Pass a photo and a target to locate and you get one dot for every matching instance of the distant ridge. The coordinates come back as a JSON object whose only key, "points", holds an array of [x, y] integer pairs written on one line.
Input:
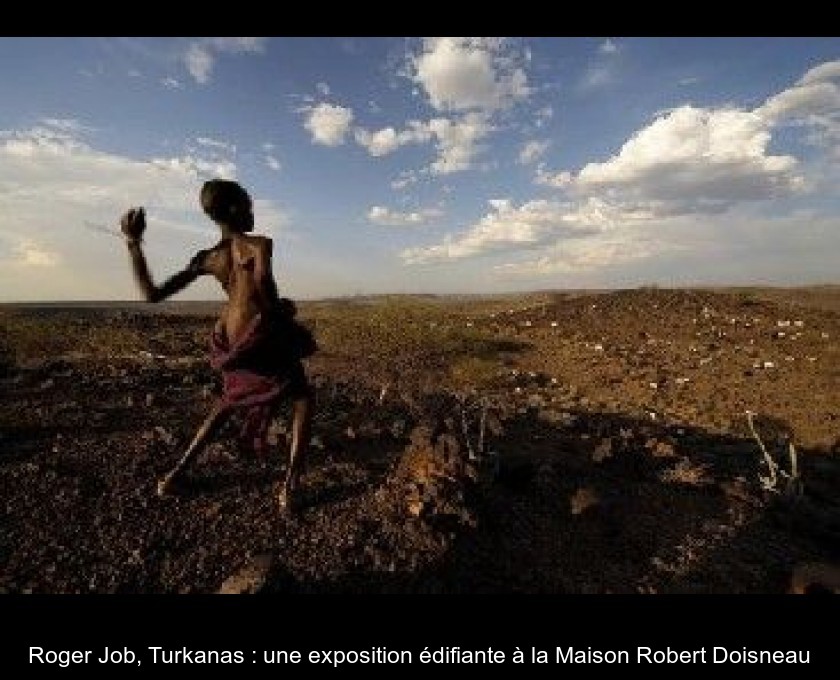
{"points": [[820, 293]]}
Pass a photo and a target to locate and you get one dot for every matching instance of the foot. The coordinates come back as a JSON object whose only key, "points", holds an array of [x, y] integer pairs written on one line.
{"points": [[167, 486], [288, 502]]}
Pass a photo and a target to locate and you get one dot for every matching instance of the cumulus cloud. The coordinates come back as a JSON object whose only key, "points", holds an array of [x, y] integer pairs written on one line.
{"points": [[387, 217], [689, 164], [45, 140], [689, 160], [558, 180], [506, 226], [703, 159], [813, 102], [458, 141], [696, 160], [328, 123], [199, 62], [463, 74], [49, 160], [200, 56], [387, 140], [533, 150], [608, 47], [468, 79]]}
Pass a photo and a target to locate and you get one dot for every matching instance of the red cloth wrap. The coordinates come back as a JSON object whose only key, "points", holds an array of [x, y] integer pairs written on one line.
{"points": [[255, 375]]}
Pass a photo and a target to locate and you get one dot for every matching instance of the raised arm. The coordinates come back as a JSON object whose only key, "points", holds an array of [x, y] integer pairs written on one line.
{"points": [[133, 224]]}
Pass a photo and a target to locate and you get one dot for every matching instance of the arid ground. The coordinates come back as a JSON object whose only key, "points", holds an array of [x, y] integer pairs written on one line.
{"points": [[635, 441]]}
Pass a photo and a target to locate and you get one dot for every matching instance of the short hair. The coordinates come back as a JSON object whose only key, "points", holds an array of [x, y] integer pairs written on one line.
{"points": [[218, 195]]}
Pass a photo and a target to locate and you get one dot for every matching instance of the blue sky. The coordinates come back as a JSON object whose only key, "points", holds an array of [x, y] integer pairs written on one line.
{"points": [[431, 165]]}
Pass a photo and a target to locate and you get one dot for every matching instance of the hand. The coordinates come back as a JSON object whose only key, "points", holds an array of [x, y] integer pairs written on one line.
{"points": [[133, 224]]}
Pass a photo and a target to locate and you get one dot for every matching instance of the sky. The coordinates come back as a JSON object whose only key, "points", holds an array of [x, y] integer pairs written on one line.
{"points": [[424, 165]]}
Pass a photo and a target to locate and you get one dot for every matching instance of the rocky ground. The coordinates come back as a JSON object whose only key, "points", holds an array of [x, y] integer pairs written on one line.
{"points": [[552, 443]]}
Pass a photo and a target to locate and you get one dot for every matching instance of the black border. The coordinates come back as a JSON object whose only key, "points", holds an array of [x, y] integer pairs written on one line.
{"points": [[410, 622]]}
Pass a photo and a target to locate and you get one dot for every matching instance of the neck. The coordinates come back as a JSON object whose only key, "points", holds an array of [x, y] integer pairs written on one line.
{"points": [[227, 230]]}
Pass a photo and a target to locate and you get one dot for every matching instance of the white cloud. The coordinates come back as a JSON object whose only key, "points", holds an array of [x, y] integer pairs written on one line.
{"points": [[171, 83], [544, 115], [608, 47], [731, 249], [802, 102], [60, 203], [323, 89], [29, 253], [594, 254], [199, 61], [601, 70], [197, 167], [559, 180], [238, 45], [531, 225], [41, 140], [691, 171], [68, 125], [533, 150], [378, 143], [813, 102], [200, 56], [405, 179], [458, 141], [328, 123], [272, 163], [387, 140], [695, 160], [211, 143], [472, 77], [387, 217], [596, 76], [829, 70], [463, 74]]}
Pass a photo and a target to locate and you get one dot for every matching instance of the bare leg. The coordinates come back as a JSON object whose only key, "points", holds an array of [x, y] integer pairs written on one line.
{"points": [[208, 428], [301, 432]]}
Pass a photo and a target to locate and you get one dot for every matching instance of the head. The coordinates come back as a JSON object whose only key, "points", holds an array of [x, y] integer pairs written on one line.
{"points": [[228, 204]]}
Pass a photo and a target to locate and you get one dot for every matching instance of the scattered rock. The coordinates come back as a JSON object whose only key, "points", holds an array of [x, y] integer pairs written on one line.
{"points": [[582, 499], [250, 578], [602, 450]]}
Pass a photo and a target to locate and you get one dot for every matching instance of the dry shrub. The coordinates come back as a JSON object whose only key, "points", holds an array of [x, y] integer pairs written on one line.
{"points": [[686, 472]]}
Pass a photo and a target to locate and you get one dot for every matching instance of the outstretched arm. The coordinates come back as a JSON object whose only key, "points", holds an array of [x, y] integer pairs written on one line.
{"points": [[133, 225]]}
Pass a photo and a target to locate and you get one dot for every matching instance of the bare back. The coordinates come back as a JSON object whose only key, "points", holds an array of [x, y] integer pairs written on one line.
{"points": [[242, 264]]}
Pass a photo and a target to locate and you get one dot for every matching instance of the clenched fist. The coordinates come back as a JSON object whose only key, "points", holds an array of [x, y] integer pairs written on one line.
{"points": [[133, 224]]}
